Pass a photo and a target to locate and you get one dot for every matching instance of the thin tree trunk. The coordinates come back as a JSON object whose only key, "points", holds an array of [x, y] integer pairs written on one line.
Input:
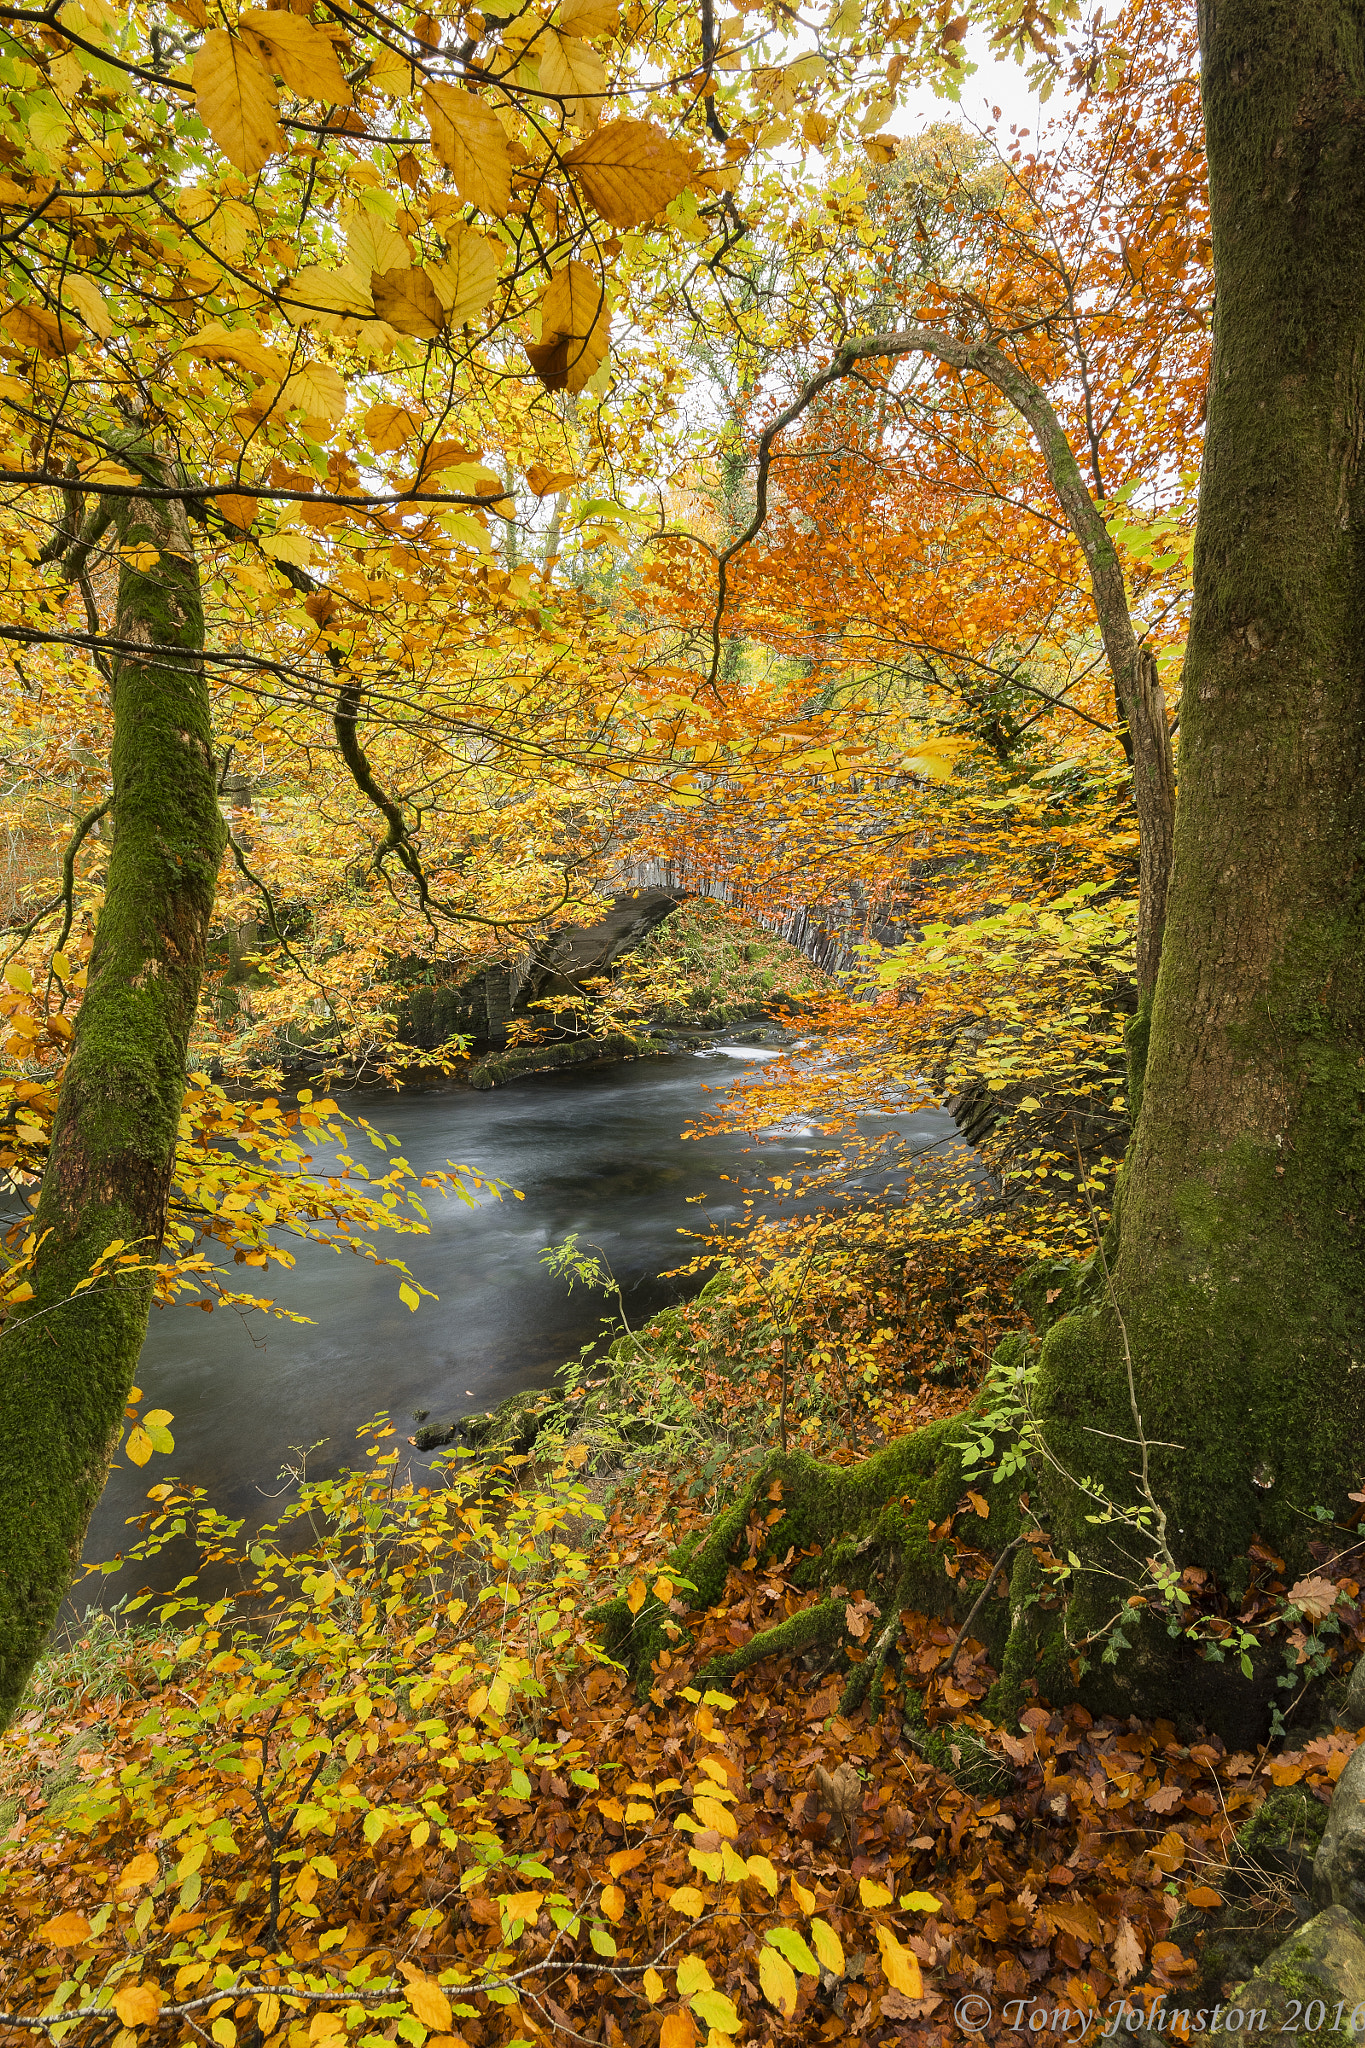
{"points": [[1240, 1269], [67, 1361]]}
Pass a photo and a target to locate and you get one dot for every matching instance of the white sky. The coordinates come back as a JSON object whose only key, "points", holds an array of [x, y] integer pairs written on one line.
{"points": [[993, 84]]}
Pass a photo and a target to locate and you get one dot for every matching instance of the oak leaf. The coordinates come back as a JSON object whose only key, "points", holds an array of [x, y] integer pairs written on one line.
{"points": [[1127, 1952], [235, 98], [1315, 1597], [468, 139], [630, 170], [302, 54]]}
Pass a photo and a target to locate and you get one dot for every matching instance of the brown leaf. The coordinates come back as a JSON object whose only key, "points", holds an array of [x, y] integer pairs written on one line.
{"points": [[630, 170], [1127, 1952], [407, 299], [1316, 1597]]}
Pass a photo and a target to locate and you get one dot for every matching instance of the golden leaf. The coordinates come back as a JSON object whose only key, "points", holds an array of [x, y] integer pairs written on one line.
{"points": [[303, 55], [589, 17], [317, 390], [572, 72], [777, 1981], [429, 2003], [217, 344], [139, 1446], [316, 289], [575, 330], [85, 297], [407, 300], [235, 98], [873, 1894], [712, 1814], [687, 1899], [679, 2030], [35, 327], [900, 1967], [138, 2005], [613, 1902], [468, 139], [880, 149], [630, 170], [468, 278], [68, 1930], [635, 1595], [827, 1946], [141, 1870], [371, 244], [652, 1984]]}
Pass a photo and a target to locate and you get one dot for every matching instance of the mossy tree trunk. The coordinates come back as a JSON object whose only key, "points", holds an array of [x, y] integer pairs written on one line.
{"points": [[67, 1360], [1237, 1261], [1238, 1269]]}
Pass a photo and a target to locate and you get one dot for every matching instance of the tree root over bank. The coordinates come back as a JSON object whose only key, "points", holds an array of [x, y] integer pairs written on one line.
{"points": [[904, 1528]]}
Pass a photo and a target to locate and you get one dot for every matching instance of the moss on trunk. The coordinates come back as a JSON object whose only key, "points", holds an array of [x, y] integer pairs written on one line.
{"points": [[66, 1364]]}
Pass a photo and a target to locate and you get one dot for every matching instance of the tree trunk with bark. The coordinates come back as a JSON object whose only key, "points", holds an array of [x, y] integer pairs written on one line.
{"points": [[68, 1358], [1225, 1356]]}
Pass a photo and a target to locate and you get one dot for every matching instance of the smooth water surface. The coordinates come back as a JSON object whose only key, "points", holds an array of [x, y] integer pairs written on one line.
{"points": [[595, 1151]]}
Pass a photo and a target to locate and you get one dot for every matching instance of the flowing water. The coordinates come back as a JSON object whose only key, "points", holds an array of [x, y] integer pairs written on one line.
{"points": [[595, 1151]]}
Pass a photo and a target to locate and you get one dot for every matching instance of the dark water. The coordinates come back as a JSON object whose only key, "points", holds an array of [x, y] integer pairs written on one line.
{"points": [[598, 1152]]}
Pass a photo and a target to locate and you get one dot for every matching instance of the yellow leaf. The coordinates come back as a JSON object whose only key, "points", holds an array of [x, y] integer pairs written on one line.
{"points": [[306, 1884], [777, 1981], [138, 2005], [315, 389], [430, 2003], [316, 291], [624, 1860], [921, 1902], [217, 343], [636, 1594], [371, 244], [901, 1968], [873, 1895], [571, 72], [235, 98], [468, 139], [141, 1870], [663, 1589], [68, 1930], [679, 2030], [804, 1899], [653, 1986], [268, 2013], [589, 17], [693, 1976], [761, 1869], [712, 1814], [630, 170], [407, 299], [224, 2032], [290, 546], [19, 977], [139, 1446], [86, 299], [35, 327], [409, 1296], [687, 1899], [613, 1902], [303, 56], [468, 278], [827, 1946], [880, 149]]}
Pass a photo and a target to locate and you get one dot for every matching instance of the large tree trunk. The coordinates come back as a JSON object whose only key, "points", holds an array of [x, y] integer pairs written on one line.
{"points": [[1239, 1271], [1239, 1268], [67, 1361]]}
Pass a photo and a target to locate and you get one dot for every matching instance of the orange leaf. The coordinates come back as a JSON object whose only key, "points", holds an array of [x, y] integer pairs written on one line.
{"points": [[613, 1902], [138, 2005], [678, 2031], [1204, 1897], [429, 2003], [635, 1595], [68, 1930]]}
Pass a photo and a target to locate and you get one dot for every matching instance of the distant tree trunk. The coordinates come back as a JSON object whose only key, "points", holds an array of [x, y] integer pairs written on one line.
{"points": [[1240, 1270], [67, 1360]]}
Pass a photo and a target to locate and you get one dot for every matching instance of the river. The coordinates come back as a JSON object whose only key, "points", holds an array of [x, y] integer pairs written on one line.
{"points": [[596, 1151]]}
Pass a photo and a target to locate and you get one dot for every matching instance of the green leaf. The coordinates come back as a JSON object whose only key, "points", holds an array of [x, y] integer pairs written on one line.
{"points": [[788, 1943]]}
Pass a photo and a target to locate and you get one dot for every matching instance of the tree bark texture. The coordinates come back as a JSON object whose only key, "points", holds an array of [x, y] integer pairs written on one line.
{"points": [[1239, 1268], [68, 1360]]}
